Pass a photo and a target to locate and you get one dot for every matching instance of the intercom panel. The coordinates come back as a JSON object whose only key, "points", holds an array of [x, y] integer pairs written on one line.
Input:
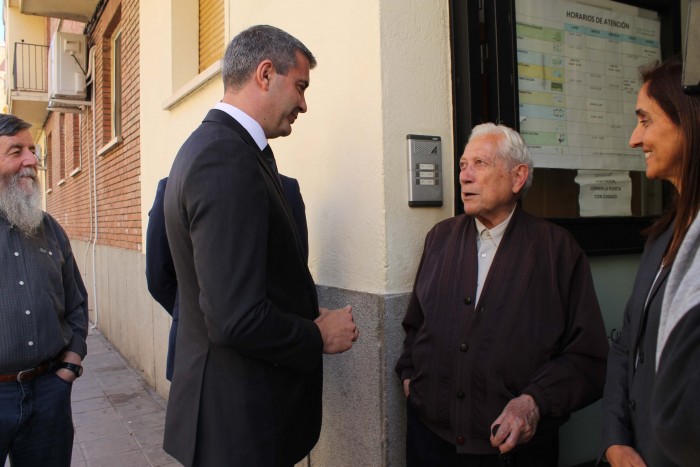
{"points": [[424, 170]]}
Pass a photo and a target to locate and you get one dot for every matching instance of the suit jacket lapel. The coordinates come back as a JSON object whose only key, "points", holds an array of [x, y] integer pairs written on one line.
{"points": [[649, 285], [219, 116]]}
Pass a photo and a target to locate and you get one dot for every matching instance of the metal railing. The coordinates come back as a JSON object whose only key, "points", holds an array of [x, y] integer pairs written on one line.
{"points": [[30, 68]]}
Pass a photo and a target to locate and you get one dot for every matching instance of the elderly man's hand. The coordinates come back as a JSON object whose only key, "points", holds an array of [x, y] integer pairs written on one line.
{"points": [[517, 423]]}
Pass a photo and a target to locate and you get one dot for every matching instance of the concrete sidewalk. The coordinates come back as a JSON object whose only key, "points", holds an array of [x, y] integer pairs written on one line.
{"points": [[118, 418]]}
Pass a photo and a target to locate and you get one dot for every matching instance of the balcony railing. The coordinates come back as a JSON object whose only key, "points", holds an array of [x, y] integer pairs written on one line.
{"points": [[30, 67]]}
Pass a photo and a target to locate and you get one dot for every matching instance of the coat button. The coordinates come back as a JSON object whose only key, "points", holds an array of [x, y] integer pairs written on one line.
{"points": [[641, 357], [468, 301], [463, 347], [460, 395], [632, 404], [460, 440]]}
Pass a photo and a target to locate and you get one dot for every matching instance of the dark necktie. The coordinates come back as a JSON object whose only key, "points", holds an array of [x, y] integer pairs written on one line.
{"points": [[270, 158]]}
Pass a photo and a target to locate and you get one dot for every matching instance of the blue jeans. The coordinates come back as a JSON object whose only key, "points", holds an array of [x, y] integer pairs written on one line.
{"points": [[36, 423]]}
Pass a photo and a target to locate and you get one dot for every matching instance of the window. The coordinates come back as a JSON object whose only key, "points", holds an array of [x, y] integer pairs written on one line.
{"points": [[211, 32], [198, 40], [48, 159], [75, 146], [116, 84], [61, 148], [109, 88]]}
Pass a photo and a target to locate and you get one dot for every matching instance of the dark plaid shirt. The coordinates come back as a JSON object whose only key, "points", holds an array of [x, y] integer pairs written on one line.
{"points": [[43, 302]]}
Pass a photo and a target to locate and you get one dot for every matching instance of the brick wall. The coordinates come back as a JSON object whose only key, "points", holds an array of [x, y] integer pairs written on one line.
{"points": [[118, 168]]}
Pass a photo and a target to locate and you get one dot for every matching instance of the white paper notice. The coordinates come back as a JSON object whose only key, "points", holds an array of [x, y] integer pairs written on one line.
{"points": [[604, 193], [578, 78]]}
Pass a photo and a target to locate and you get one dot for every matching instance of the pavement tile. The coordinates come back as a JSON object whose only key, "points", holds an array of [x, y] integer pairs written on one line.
{"points": [[90, 404], [138, 407], [97, 347], [103, 360], [126, 397], [95, 417], [115, 373], [151, 420], [106, 429], [108, 446], [122, 377], [123, 387], [86, 381], [157, 456], [83, 393], [149, 436], [97, 350], [125, 459], [112, 370]]}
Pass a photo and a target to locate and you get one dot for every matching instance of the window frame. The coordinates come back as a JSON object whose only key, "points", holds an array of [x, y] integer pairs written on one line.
{"points": [[116, 94]]}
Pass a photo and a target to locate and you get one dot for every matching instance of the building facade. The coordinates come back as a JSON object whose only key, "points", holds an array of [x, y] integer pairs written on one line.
{"points": [[385, 70]]}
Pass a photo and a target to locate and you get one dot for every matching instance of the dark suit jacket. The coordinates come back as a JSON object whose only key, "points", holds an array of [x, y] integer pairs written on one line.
{"points": [[246, 388], [632, 361], [160, 270]]}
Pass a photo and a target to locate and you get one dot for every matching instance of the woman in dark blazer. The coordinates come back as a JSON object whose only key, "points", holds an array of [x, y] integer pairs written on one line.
{"points": [[668, 131]]}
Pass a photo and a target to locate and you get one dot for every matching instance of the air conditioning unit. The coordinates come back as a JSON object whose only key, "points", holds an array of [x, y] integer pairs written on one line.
{"points": [[68, 66]]}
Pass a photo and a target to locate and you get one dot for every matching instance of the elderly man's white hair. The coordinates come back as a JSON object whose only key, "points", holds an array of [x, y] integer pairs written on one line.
{"points": [[511, 147]]}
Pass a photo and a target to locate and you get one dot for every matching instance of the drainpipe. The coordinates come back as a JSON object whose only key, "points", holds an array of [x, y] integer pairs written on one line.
{"points": [[93, 188]]}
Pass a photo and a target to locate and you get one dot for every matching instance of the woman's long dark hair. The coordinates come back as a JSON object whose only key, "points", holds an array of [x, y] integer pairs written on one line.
{"points": [[665, 87]]}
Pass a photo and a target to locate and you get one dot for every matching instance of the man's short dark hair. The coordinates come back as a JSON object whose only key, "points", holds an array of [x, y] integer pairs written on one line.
{"points": [[11, 125], [256, 44]]}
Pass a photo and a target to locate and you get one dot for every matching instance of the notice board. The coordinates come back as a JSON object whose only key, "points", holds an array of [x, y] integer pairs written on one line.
{"points": [[565, 74]]}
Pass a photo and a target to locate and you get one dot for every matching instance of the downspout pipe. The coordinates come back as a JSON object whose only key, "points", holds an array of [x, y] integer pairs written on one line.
{"points": [[93, 190]]}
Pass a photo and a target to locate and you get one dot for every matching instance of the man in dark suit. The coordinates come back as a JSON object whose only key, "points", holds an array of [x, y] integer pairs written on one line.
{"points": [[504, 337], [160, 270], [246, 387]]}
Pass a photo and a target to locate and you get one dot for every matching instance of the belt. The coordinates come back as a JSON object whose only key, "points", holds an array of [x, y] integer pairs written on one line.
{"points": [[25, 375]]}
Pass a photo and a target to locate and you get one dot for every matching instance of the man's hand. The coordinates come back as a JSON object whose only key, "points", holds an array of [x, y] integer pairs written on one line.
{"points": [[337, 328], [623, 456], [518, 423], [67, 375], [406, 389]]}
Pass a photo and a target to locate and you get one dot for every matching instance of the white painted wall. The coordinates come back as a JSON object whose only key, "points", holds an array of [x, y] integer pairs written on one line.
{"points": [[22, 28], [417, 99]]}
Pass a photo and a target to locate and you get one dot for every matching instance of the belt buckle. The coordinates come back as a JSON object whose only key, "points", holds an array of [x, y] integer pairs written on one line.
{"points": [[21, 375]]}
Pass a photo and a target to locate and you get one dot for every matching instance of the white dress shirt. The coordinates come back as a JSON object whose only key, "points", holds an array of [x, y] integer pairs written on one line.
{"points": [[246, 121], [487, 244]]}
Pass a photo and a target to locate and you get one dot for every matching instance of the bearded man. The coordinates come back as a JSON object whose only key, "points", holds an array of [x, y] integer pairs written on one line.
{"points": [[43, 313]]}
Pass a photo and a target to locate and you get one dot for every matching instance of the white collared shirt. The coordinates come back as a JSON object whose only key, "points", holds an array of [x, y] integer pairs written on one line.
{"points": [[487, 241], [246, 121]]}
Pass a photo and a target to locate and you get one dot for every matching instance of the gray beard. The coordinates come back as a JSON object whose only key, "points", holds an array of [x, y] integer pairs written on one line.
{"points": [[22, 209]]}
